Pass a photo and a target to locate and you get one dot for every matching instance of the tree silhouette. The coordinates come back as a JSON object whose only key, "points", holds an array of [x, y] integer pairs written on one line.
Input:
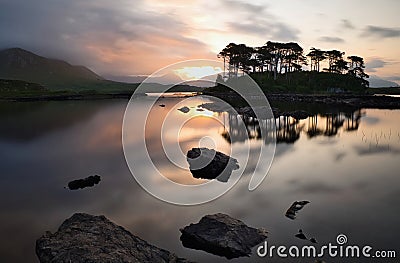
{"points": [[316, 56], [357, 67], [284, 58], [334, 56]]}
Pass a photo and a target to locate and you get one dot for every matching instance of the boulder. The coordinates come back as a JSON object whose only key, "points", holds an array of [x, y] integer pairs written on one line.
{"points": [[87, 238], [222, 235], [210, 164]]}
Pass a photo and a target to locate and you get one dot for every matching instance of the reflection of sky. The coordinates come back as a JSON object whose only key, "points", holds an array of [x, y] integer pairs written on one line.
{"points": [[350, 192]]}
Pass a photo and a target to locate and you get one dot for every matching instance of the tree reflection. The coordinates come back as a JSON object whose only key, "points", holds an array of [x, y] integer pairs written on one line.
{"points": [[313, 129], [333, 123], [286, 129], [353, 120]]}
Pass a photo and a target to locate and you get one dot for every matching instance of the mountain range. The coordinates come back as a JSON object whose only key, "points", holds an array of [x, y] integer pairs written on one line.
{"points": [[20, 64], [376, 82]]}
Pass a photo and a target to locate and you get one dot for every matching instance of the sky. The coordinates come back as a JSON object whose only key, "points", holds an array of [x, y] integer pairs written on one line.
{"points": [[138, 37]]}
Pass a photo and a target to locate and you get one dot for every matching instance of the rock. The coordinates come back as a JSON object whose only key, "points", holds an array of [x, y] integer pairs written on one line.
{"points": [[216, 106], [294, 208], [222, 235], [301, 235], [210, 164], [82, 183], [184, 109], [87, 238]]}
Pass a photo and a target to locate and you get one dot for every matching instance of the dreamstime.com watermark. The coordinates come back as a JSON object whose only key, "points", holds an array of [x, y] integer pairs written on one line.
{"points": [[338, 250]]}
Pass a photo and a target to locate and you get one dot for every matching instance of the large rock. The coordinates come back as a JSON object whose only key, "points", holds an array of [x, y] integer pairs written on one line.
{"points": [[222, 235], [210, 164], [87, 238]]}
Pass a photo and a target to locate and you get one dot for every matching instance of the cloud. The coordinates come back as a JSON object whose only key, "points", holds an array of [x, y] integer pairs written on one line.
{"points": [[278, 31], [119, 38], [374, 64], [244, 6], [347, 24], [331, 39], [259, 21], [381, 32], [318, 187]]}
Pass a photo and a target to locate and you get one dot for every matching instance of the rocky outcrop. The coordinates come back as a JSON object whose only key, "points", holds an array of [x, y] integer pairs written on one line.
{"points": [[83, 183], [210, 164], [222, 235], [95, 239]]}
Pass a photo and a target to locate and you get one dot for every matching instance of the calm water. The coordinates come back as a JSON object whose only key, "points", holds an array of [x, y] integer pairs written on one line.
{"points": [[346, 164]]}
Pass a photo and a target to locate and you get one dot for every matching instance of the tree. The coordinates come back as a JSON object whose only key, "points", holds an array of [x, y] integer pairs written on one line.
{"points": [[316, 56], [275, 49], [293, 57], [238, 57], [356, 69], [341, 66], [333, 57]]}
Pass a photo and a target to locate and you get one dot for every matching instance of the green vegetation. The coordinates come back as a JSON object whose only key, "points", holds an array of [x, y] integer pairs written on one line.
{"points": [[278, 68], [17, 89]]}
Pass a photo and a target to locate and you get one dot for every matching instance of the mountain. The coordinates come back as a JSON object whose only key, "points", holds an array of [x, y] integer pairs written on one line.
{"points": [[166, 79], [375, 82], [20, 64]]}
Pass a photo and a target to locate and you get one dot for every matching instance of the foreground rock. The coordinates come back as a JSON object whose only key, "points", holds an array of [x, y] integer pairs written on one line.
{"points": [[210, 164], [87, 238], [83, 183], [222, 235]]}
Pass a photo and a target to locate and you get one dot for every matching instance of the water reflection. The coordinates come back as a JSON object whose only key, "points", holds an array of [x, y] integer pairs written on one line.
{"points": [[351, 178], [289, 129]]}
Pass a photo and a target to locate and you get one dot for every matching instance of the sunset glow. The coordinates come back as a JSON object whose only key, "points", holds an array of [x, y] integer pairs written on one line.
{"points": [[124, 38], [194, 73]]}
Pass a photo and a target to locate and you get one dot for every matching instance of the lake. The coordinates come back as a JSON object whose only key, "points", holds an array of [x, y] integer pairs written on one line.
{"points": [[344, 161]]}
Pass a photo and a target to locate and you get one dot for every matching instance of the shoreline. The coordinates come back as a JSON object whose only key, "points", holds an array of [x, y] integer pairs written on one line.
{"points": [[66, 97], [348, 100]]}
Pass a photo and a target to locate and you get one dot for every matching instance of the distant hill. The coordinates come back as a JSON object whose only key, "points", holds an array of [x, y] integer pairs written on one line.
{"points": [[20, 64], [375, 82], [25, 73]]}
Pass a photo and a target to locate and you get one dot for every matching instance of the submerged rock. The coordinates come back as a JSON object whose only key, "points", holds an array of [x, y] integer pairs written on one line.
{"points": [[87, 238], [301, 235], [294, 208], [184, 109], [83, 183], [222, 235], [210, 164]]}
